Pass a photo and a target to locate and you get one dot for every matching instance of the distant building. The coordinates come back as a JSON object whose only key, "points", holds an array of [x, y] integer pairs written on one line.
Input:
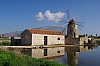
{"points": [[1, 35], [41, 37], [15, 41], [84, 39]]}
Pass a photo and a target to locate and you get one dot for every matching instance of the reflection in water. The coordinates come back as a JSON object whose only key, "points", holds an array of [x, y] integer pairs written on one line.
{"points": [[72, 58], [45, 52], [72, 53], [64, 55]]}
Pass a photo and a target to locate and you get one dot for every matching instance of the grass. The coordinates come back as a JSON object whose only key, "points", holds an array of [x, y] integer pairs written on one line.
{"points": [[10, 59]]}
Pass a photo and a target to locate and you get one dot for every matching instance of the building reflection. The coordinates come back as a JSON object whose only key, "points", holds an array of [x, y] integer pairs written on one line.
{"points": [[48, 53], [65, 55]]}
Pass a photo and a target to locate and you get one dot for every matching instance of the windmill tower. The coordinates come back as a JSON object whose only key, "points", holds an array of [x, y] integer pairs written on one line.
{"points": [[72, 33], [72, 29], [72, 37]]}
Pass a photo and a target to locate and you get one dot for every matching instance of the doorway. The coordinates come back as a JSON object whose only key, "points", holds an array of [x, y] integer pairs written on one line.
{"points": [[45, 40]]}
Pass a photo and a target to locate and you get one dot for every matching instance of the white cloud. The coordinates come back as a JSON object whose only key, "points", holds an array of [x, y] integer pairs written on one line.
{"points": [[40, 16], [50, 16]]}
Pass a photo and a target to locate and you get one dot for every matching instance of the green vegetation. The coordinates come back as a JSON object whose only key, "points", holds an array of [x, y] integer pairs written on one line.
{"points": [[98, 42], [11, 59], [5, 41]]}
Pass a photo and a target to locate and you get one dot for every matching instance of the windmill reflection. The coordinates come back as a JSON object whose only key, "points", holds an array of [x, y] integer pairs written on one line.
{"points": [[72, 55], [73, 52]]}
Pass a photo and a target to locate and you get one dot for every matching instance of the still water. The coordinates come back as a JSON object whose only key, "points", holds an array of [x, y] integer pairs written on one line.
{"points": [[73, 56]]}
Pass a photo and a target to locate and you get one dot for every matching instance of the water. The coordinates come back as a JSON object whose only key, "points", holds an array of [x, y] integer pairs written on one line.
{"points": [[73, 56], [90, 58]]}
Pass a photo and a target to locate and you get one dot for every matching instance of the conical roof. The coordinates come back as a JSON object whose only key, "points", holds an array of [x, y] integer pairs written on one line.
{"points": [[72, 21]]}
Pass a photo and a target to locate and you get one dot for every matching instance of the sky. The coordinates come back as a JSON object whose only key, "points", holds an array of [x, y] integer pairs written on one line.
{"points": [[18, 15]]}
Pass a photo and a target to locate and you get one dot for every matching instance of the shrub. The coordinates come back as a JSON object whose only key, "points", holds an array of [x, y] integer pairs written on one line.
{"points": [[5, 43], [98, 42]]}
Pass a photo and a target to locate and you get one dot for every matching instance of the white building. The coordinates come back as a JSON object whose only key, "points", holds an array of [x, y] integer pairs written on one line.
{"points": [[84, 39], [41, 37]]}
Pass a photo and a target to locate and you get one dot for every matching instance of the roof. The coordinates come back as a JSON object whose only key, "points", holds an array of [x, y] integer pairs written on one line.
{"points": [[72, 21], [16, 37], [50, 32]]}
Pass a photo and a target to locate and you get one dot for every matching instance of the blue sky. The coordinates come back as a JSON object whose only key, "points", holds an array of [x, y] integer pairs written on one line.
{"points": [[16, 15]]}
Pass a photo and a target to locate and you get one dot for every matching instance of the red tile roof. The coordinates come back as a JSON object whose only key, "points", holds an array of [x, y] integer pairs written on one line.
{"points": [[51, 32]]}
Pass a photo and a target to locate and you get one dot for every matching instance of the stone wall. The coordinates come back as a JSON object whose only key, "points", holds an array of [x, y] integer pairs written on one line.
{"points": [[38, 39]]}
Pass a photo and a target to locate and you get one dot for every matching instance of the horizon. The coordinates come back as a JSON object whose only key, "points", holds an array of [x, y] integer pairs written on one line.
{"points": [[17, 15]]}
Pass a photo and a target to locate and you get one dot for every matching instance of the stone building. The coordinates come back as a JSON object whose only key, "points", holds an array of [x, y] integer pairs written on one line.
{"points": [[72, 33], [72, 30], [73, 38], [15, 41], [30, 37], [1, 35]]}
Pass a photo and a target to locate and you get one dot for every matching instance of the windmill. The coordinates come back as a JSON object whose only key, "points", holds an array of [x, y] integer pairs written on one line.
{"points": [[71, 29]]}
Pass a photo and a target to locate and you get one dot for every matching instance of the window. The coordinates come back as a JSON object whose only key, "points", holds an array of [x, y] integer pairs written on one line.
{"points": [[74, 35], [58, 38], [58, 51]]}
